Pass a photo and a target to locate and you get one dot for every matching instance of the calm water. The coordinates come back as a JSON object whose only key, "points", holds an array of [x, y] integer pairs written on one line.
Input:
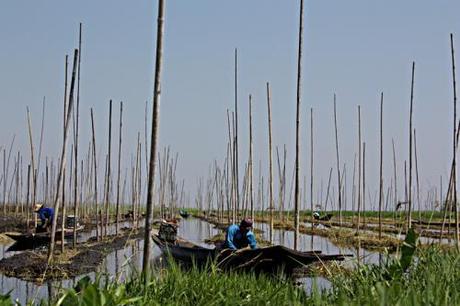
{"points": [[119, 264]]}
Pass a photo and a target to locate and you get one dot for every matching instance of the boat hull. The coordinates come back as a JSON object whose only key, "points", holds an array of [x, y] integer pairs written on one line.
{"points": [[272, 260]]}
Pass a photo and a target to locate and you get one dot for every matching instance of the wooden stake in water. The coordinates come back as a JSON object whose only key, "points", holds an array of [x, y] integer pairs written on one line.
{"points": [[454, 86], [359, 169], [154, 139], [62, 160], [297, 131], [381, 168], [251, 168], [95, 174], [311, 170], [395, 176], [338, 162], [117, 216], [77, 118], [270, 162], [236, 164], [409, 212]]}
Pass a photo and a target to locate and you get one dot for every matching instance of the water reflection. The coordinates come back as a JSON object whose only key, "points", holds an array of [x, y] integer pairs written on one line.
{"points": [[118, 264]]}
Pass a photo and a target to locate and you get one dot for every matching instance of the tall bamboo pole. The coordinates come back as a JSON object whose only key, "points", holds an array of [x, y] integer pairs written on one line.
{"points": [[62, 159], [359, 169], [395, 175], [454, 87], [270, 162], [416, 176], [95, 174], [381, 167], [236, 164], [231, 170], [311, 170], [409, 213], [338, 162], [77, 118], [27, 195], [251, 168], [34, 181], [109, 158], [297, 131], [64, 200], [154, 138], [117, 216]]}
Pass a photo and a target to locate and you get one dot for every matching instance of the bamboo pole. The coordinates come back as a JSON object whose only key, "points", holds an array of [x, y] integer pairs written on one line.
{"points": [[297, 146], [338, 162], [409, 213], [381, 168], [395, 176], [109, 155], [63, 203], [311, 171], [77, 118], [154, 139], [454, 87], [251, 168], [236, 164], [27, 195], [117, 213], [231, 170], [416, 176], [95, 175], [364, 181], [270, 162], [359, 169], [328, 188], [34, 181], [62, 160]]}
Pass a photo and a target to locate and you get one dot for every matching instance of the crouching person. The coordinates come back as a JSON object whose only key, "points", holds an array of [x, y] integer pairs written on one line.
{"points": [[240, 236], [45, 215]]}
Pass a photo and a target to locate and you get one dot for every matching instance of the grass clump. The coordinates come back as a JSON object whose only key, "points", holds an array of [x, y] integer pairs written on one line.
{"points": [[175, 286]]}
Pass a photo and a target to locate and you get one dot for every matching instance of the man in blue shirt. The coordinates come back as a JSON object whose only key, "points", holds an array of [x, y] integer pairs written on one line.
{"points": [[46, 216], [239, 237]]}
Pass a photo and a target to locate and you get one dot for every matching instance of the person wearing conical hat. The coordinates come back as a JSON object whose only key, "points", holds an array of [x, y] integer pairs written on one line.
{"points": [[46, 216], [240, 236]]}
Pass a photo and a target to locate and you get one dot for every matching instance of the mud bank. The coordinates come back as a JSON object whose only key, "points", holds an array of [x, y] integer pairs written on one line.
{"points": [[32, 265]]}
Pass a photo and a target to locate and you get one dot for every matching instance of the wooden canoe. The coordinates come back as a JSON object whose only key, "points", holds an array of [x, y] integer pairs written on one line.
{"points": [[184, 214], [270, 260], [33, 240], [324, 218]]}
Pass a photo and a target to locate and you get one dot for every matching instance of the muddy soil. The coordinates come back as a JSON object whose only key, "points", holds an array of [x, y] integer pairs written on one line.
{"points": [[12, 224], [32, 265]]}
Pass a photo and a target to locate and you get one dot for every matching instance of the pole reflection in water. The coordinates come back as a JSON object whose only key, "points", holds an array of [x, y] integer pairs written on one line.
{"points": [[116, 266]]}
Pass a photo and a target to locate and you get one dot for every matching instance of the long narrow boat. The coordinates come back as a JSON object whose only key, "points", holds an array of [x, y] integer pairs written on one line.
{"points": [[271, 259], [184, 214], [33, 240]]}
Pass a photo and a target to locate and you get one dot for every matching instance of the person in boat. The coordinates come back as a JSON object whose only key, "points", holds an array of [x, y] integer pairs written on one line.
{"points": [[317, 214], [46, 216], [240, 236]]}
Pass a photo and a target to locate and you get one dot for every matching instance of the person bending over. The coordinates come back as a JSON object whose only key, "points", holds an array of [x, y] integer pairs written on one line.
{"points": [[240, 236], [46, 217]]}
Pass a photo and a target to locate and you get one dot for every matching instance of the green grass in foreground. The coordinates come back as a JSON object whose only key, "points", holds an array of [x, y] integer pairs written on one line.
{"points": [[430, 278]]}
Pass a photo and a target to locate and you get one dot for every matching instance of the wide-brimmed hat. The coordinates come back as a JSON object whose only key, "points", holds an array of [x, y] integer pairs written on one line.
{"points": [[38, 206]]}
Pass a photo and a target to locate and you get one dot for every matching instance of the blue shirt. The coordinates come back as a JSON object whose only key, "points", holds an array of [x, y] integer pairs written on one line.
{"points": [[45, 213], [235, 239]]}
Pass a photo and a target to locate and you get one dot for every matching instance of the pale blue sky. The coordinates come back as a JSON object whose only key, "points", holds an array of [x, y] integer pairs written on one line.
{"points": [[355, 48]]}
